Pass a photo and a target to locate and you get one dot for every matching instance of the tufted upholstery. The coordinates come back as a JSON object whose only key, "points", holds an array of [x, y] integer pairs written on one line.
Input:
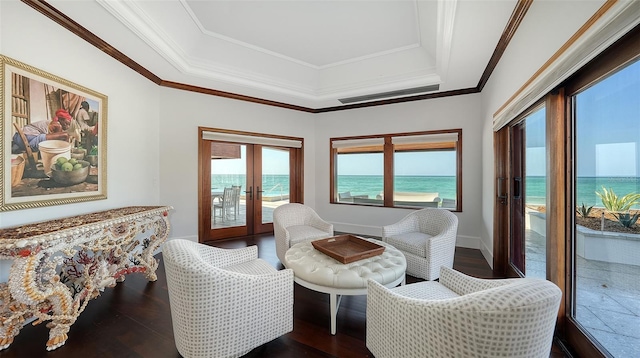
{"points": [[313, 266], [427, 238], [294, 223], [461, 316], [225, 302]]}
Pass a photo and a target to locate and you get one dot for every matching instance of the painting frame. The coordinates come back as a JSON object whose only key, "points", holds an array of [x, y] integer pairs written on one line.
{"points": [[36, 101]]}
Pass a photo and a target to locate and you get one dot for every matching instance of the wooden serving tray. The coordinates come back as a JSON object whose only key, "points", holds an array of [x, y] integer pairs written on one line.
{"points": [[347, 248]]}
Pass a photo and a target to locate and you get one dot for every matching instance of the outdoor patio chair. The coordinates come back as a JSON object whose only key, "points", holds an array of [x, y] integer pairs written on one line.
{"points": [[462, 316], [427, 238], [236, 200], [294, 223], [225, 205], [225, 302]]}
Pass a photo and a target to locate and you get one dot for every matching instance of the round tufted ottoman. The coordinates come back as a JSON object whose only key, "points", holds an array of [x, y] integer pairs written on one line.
{"points": [[319, 272]]}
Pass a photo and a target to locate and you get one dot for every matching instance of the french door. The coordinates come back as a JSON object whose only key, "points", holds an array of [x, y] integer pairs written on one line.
{"points": [[243, 179]]}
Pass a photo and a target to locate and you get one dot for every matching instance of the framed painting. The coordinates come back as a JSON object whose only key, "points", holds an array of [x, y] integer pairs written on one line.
{"points": [[54, 139]]}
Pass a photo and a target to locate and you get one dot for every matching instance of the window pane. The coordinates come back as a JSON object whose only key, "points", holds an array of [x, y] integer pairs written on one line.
{"points": [[425, 178], [360, 178], [607, 244]]}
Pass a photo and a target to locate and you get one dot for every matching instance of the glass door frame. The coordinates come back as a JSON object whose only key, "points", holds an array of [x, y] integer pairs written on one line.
{"points": [[507, 141], [560, 143], [296, 163]]}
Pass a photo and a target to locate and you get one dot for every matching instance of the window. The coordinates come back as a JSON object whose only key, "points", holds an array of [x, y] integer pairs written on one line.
{"points": [[416, 170]]}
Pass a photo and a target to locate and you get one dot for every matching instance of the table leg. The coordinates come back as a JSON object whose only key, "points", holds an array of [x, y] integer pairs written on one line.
{"points": [[334, 301]]}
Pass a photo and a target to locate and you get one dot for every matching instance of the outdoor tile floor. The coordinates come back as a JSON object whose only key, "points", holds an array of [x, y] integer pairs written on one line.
{"points": [[607, 299], [241, 218]]}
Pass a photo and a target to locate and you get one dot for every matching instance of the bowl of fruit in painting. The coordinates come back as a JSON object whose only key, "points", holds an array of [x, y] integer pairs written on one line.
{"points": [[69, 171]]}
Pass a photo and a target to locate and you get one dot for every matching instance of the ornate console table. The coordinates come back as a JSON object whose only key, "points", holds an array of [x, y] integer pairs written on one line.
{"points": [[60, 265]]}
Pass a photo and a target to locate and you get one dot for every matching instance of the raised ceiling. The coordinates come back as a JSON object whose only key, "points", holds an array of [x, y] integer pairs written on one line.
{"points": [[303, 53]]}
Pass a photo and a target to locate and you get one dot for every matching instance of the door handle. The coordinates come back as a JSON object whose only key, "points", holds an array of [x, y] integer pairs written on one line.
{"points": [[258, 191], [250, 192], [517, 187]]}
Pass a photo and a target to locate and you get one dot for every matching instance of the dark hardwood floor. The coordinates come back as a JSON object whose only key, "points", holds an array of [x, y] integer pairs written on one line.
{"points": [[133, 319]]}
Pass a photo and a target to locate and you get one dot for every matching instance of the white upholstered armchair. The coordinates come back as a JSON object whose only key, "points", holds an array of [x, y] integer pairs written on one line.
{"points": [[294, 223], [225, 302], [427, 238], [462, 316]]}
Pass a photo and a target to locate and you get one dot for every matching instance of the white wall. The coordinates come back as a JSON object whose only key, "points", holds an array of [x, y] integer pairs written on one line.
{"points": [[133, 131], [180, 116], [132, 138], [444, 113], [547, 26]]}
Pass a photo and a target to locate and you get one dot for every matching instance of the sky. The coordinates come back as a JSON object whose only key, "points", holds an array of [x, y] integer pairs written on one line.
{"points": [[417, 163], [607, 128]]}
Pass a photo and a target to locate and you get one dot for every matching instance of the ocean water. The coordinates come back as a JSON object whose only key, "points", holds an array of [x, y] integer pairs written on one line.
{"points": [[371, 185], [585, 190], [445, 186], [272, 185]]}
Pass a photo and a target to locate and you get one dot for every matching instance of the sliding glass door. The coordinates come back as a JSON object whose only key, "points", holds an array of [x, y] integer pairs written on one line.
{"points": [[522, 195], [591, 219], [606, 239]]}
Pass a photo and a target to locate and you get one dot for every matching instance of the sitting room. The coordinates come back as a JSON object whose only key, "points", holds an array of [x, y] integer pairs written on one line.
{"points": [[452, 146]]}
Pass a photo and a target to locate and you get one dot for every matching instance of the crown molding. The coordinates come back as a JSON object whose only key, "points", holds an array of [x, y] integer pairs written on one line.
{"points": [[52, 13]]}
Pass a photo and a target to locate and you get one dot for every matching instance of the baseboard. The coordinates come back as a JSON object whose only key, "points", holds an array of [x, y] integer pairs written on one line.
{"points": [[488, 254], [469, 242], [365, 230]]}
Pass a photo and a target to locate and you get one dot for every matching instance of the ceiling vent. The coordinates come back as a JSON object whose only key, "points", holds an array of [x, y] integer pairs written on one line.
{"points": [[403, 92]]}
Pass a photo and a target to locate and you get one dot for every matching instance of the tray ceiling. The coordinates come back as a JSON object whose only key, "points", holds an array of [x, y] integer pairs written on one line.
{"points": [[304, 53]]}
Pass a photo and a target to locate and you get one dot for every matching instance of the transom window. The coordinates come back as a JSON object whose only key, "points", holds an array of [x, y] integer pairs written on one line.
{"points": [[416, 170]]}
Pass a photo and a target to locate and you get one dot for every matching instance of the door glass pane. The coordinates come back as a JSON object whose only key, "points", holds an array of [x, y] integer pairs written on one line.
{"points": [[606, 269], [275, 181], [535, 194], [228, 183]]}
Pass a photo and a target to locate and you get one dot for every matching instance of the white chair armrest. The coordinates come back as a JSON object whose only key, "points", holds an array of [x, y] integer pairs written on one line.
{"points": [[463, 284], [392, 321], [320, 224], [441, 250], [282, 238], [313, 219]]}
